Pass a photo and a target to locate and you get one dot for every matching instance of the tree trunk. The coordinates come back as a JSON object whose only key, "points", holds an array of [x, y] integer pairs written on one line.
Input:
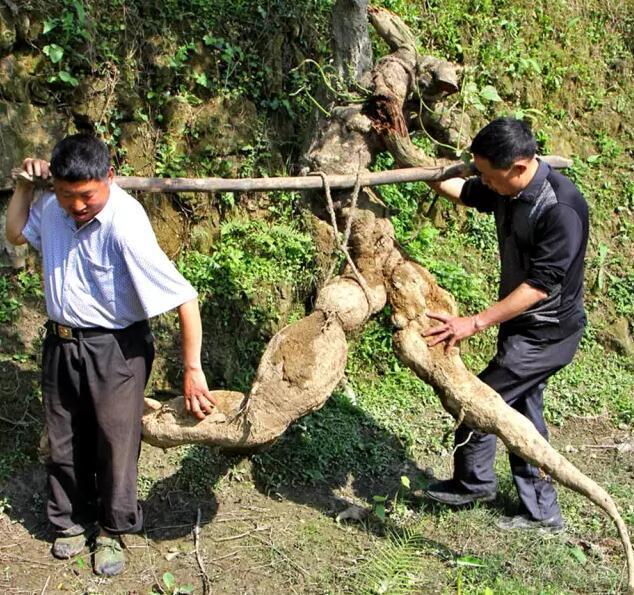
{"points": [[351, 40]]}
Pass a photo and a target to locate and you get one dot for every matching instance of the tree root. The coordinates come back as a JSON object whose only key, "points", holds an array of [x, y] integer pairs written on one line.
{"points": [[304, 361], [413, 291]]}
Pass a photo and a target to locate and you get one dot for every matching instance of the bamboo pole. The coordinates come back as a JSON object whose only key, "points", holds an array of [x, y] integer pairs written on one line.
{"points": [[310, 182]]}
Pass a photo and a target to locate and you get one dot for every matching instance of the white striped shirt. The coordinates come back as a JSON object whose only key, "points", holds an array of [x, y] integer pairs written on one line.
{"points": [[109, 273]]}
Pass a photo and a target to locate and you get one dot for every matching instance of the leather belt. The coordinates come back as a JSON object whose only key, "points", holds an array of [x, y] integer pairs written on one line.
{"points": [[69, 333]]}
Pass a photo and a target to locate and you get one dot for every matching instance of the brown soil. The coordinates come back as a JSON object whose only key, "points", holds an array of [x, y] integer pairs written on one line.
{"points": [[252, 542]]}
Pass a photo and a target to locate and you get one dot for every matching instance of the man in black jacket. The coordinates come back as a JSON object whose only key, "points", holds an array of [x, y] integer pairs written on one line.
{"points": [[542, 229]]}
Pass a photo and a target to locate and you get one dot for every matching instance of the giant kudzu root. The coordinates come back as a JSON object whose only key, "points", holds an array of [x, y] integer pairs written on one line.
{"points": [[304, 361], [467, 398]]}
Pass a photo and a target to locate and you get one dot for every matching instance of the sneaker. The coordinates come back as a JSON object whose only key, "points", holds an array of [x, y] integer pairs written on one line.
{"points": [[447, 492], [65, 548], [109, 558], [554, 524]]}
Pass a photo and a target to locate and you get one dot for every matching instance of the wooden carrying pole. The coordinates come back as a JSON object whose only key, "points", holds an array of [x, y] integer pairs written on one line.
{"points": [[310, 182]]}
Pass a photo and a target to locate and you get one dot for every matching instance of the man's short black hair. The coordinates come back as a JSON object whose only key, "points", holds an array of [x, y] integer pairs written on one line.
{"points": [[80, 157], [504, 140]]}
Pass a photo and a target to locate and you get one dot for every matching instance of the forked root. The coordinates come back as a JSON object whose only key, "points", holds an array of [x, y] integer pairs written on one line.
{"points": [[466, 397]]}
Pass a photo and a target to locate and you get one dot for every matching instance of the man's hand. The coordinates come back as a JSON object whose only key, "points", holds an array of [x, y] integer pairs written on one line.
{"points": [[452, 330], [36, 168], [198, 399], [32, 172]]}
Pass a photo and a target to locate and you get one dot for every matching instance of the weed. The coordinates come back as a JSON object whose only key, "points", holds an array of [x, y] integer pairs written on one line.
{"points": [[171, 587], [9, 305]]}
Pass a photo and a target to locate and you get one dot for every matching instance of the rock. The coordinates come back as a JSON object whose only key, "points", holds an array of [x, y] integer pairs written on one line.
{"points": [[10, 255], [128, 100], [137, 142], [177, 116], [617, 337], [26, 130], [161, 52], [17, 76], [7, 31], [203, 235], [28, 28], [93, 101], [224, 126], [352, 513]]}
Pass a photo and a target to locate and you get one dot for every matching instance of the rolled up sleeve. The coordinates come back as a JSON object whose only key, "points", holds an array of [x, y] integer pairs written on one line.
{"points": [[558, 239]]}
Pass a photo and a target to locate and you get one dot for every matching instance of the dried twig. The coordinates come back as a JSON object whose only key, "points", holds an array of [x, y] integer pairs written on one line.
{"points": [[196, 532], [48, 578], [453, 452], [240, 535], [14, 422], [283, 555]]}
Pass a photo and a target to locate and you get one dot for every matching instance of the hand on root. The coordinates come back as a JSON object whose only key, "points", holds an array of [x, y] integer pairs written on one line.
{"points": [[198, 400], [452, 330]]}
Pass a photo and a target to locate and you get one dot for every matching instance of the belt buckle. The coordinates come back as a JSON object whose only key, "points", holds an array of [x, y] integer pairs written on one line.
{"points": [[65, 332]]}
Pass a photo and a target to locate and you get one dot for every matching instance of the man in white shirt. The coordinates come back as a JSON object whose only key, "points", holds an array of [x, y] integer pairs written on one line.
{"points": [[104, 277]]}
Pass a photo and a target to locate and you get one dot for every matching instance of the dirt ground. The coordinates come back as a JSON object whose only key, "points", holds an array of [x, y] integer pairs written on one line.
{"points": [[255, 539], [250, 541]]}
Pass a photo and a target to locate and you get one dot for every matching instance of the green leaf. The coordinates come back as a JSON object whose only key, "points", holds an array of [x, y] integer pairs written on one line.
{"points": [[577, 553], [68, 78], [489, 93], [470, 561], [169, 581], [54, 52], [379, 511], [211, 40], [184, 590], [593, 158], [405, 482], [49, 25], [81, 13], [470, 88], [202, 80]]}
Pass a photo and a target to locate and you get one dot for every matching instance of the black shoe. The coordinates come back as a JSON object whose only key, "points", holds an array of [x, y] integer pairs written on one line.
{"points": [[447, 492], [554, 524]]}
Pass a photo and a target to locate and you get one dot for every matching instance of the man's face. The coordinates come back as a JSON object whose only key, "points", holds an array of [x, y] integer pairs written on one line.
{"points": [[83, 200], [506, 182]]}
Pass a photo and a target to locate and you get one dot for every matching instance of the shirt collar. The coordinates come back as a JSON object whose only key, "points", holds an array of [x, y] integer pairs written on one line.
{"points": [[105, 215], [530, 193]]}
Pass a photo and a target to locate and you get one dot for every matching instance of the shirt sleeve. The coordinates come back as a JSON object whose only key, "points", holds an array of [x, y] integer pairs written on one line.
{"points": [[33, 229], [558, 238], [159, 285], [476, 194]]}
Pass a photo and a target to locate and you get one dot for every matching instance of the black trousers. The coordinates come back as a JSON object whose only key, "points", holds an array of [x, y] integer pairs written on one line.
{"points": [[92, 389], [519, 373]]}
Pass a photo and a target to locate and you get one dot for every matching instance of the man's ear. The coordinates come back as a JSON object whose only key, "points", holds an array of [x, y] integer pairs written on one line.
{"points": [[110, 175], [519, 168]]}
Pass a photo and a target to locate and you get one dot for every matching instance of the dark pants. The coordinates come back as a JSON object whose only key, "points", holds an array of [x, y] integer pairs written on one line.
{"points": [[93, 401], [519, 373]]}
